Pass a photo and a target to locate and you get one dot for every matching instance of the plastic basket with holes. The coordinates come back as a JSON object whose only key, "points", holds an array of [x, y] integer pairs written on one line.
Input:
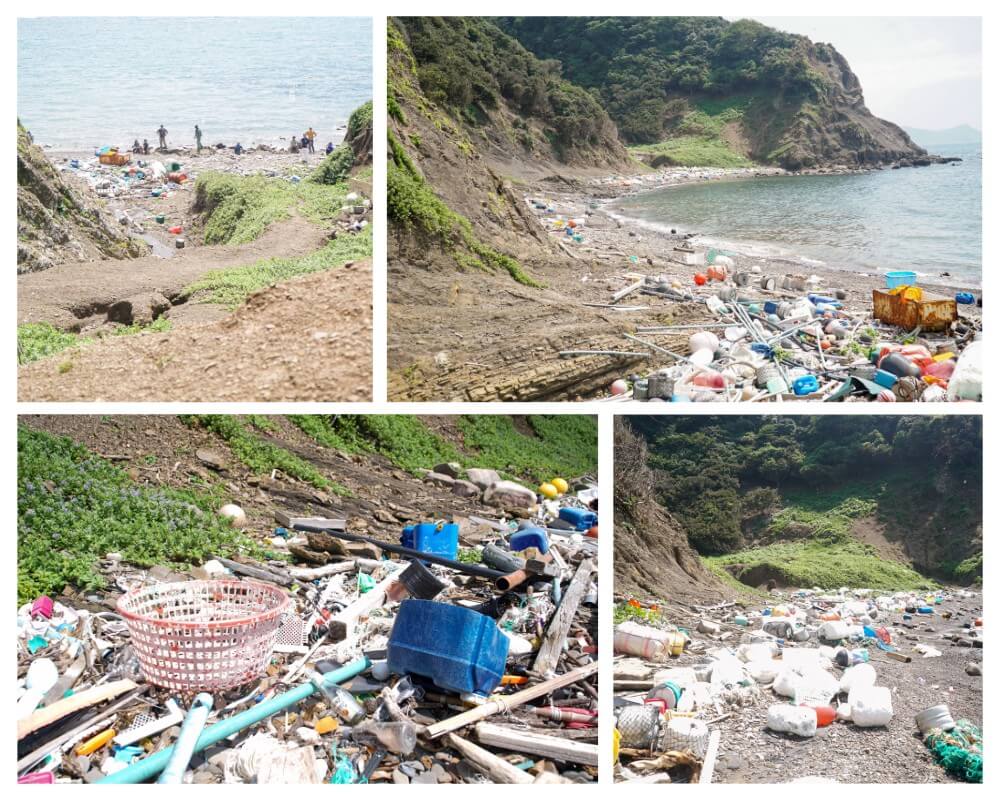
{"points": [[203, 635]]}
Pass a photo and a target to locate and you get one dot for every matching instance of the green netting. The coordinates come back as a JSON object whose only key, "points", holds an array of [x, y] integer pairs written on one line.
{"points": [[959, 751]]}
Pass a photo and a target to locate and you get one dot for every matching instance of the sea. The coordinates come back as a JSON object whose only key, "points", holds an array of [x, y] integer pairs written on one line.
{"points": [[87, 82], [925, 219]]}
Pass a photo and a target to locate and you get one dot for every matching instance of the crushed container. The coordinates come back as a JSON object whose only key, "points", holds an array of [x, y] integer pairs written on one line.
{"points": [[457, 648]]}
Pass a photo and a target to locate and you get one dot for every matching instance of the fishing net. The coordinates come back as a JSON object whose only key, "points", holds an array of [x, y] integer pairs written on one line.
{"points": [[959, 751]]}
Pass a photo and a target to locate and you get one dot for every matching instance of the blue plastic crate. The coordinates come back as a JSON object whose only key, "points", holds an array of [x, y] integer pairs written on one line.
{"points": [[900, 278]]}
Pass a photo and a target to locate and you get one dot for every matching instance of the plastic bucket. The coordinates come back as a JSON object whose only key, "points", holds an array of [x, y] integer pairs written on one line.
{"points": [[900, 278], [935, 717]]}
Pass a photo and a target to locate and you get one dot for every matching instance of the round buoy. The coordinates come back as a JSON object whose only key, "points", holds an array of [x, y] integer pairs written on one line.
{"points": [[560, 485], [619, 387], [699, 279], [886, 396], [237, 516], [548, 491]]}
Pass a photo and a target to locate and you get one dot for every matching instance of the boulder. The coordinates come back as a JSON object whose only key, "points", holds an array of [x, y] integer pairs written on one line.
{"points": [[509, 494], [439, 479], [465, 489], [483, 478], [451, 469]]}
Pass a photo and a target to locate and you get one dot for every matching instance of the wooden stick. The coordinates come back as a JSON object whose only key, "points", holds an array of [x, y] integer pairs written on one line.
{"points": [[259, 573], [512, 701], [494, 767], [522, 741], [343, 622], [311, 574], [68, 705], [898, 656], [37, 755], [562, 618], [628, 290], [708, 767]]}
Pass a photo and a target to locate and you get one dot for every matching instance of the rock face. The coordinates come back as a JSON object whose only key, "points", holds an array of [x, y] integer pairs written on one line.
{"points": [[652, 555], [56, 225]]}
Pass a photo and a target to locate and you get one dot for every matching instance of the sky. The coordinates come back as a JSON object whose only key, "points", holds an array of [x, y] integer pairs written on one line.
{"points": [[919, 72]]}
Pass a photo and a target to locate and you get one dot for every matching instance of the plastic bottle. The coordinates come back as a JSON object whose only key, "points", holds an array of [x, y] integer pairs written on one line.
{"points": [[396, 737], [824, 715]]}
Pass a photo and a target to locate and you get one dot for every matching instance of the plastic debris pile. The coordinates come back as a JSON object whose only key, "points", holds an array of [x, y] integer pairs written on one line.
{"points": [[807, 659], [464, 652]]}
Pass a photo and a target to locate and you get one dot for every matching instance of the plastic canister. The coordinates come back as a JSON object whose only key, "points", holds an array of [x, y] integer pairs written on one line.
{"points": [[439, 538], [938, 716], [457, 648], [899, 365], [871, 707], [668, 691], [800, 720], [579, 518], [807, 384], [965, 298], [886, 379], [529, 539]]}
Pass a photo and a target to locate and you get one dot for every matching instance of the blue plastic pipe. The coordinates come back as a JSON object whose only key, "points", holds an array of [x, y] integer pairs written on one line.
{"points": [[194, 724], [152, 766]]}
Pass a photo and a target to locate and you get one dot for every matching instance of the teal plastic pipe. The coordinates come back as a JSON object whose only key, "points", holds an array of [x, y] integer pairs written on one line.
{"points": [[152, 766]]}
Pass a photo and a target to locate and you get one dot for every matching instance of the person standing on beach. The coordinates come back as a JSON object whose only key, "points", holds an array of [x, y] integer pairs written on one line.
{"points": [[311, 135], [163, 137], [197, 137], [145, 147]]}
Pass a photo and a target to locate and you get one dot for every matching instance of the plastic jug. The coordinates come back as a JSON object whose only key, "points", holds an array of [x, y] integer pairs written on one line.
{"points": [[579, 518], [439, 538], [458, 649]]}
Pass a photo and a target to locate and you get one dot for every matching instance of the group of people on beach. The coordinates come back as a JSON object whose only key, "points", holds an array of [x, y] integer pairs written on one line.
{"points": [[306, 142]]}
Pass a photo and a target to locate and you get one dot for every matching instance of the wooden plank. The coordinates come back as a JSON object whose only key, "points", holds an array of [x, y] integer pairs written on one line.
{"points": [[260, 573], [711, 754], [511, 701], [555, 634], [286, 520], [68, 705], [494, 767], [537, 744]]}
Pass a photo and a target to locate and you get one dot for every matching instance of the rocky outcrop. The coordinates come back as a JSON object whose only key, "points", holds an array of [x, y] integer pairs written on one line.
{"points": [[653, 558], [54, 223]]}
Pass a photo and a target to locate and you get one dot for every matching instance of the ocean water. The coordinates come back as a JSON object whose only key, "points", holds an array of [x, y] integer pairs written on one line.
{"points": [[928, 219], [85, 82]]}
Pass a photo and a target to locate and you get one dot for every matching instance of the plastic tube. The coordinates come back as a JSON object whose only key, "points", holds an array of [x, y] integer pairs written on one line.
{"points": [[194, 724], [152, 766]]}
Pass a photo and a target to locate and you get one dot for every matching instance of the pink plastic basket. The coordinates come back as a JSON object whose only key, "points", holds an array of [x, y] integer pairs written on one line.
{"points": [[203, 635]]}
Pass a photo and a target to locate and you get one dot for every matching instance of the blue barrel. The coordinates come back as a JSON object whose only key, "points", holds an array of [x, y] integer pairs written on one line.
{"points": [[459, 649], [529, 537], [438, 538], [579, 518]]}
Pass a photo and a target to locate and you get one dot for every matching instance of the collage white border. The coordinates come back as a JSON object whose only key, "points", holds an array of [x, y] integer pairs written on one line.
{"points": [[378, 9]]}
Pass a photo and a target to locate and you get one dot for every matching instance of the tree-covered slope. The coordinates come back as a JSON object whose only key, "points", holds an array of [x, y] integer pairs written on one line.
{"points": [[904, 490], [707, 87]]}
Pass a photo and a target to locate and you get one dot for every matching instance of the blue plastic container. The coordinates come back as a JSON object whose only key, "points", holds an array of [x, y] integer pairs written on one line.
{"points": [[900, 278], [807, 384], [886, 379], [529, 537], [770, 307], [965, 298], [579, 518], [819, 299], [438, 538], [459, 649]]}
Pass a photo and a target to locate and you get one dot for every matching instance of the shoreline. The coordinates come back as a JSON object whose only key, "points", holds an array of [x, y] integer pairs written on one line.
{"points": [[593, 198]]}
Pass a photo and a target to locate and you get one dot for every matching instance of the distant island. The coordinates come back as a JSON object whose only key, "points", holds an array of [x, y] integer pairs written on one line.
{"points": [[960, 134]]}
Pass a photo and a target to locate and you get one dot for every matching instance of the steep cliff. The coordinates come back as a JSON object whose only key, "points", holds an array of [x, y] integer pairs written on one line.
{"points": [[694, 89], [54, 223], [652, 555]]}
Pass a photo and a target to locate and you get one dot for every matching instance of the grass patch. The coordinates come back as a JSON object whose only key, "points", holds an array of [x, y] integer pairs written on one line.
{"points": [[260, 456], [806, 564], [695, 151], [335, 166], [231, 287], [414, 206], [239, 208], [563, 445], [73, 508], [825, 521], [37, 340]]}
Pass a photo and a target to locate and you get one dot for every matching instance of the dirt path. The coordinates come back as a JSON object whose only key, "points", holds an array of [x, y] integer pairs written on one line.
{"points": [[305, 340], [79, 296]]}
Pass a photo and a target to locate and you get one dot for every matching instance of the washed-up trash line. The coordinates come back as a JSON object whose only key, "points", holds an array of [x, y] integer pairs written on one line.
{"points": [[154, 764]]}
